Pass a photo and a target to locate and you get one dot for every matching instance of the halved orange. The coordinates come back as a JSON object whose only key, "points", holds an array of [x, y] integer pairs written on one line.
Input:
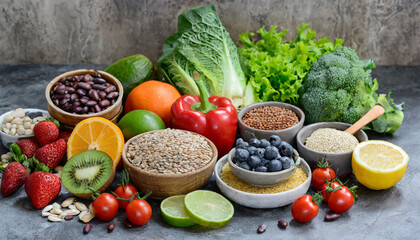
{"points": [[96, 133]]}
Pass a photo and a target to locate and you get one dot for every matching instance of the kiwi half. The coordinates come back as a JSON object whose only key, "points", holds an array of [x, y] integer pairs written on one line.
{"points": [[91, 168]]}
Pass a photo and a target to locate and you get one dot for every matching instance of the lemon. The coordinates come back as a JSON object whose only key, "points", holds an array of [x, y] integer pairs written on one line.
{"points": [[173, 212], [379, 164]]}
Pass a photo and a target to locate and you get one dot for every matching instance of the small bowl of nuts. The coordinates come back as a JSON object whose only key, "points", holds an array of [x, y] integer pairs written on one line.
{"points": [[19, 123], [169, 162], [76, 95], [263, 119]]}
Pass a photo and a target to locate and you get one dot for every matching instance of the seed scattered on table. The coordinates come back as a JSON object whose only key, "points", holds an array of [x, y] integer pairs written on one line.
{"points": [[170, 151], [270, 118], [329, 140]]}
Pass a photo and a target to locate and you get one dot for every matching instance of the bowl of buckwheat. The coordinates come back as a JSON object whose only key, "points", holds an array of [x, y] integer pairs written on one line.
{"points": [[169, 162], [264, 119]]}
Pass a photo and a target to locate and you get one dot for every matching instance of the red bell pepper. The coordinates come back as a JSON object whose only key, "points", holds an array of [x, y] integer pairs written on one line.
{"points": [[213, 117]]}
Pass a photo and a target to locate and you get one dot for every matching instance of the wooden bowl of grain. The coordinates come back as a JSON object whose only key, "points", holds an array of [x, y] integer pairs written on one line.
{"points": [[169, 162]]}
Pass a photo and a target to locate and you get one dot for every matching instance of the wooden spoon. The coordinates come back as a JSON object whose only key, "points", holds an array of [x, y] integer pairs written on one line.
{"points": [[373, 114]]}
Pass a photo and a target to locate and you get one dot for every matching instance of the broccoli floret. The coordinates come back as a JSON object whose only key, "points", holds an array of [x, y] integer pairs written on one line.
{"points": [[339, 87]]}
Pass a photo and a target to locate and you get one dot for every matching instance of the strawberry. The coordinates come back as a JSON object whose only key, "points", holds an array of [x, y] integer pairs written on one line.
{"points": [[13, 178], [46, 132], [28, 147], [51, 154], [64, 135], [42, 188]]}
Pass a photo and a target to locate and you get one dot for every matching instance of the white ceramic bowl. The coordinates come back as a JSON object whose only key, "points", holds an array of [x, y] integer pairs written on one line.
{"points": [[254, 200], [7, 139]]}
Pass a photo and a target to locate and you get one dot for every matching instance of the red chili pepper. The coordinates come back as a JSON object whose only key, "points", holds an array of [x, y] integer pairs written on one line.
{"points": [[213, 117]]}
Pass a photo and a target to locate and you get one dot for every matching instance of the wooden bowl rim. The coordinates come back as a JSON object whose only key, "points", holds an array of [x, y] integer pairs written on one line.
{"points": [[170, 175], [106, 75]]}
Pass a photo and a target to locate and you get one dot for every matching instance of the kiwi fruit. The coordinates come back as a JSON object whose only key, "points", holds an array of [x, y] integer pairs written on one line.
{"points": [[91, 168]]}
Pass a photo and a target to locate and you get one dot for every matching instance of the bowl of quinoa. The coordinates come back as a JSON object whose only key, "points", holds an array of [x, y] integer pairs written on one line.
{"points": [[263, 119], [328, 140], [262, 197], [169, 161]]}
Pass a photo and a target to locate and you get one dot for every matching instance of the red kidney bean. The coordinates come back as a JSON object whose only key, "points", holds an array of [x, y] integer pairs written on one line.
{"points": [[87, 78], [102, 94], [87, 228], [97, 75], [91, 103], [85, 109], [56, 102], [127, 223], [61, 91], [70, 90], [111, 88], [74, 97], [331, 216], [99, 80], [97, 108], [68, 217], [57, 96], [78, 109], [67, 83], [98, 86], [61, 86], [64, 101], [107, 84], [104, 103], [111, 227], [112, 101], [93, 94], [85, 86], [75, 85], [61, 80], [262, 228], [81, 92], [83, 100], [112, 95], [66, 106], [282, 224], [76, 103]]}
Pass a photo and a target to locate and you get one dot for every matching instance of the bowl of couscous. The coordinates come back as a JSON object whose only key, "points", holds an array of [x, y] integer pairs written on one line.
{"points": [[262, 197], [328, 140]]}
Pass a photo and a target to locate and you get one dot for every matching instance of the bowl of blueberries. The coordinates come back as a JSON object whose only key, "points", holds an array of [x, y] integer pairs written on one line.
{"points": [[262, 162]]}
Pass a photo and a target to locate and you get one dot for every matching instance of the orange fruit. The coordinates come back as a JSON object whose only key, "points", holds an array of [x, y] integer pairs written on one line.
{"points": [[153, 96], [96, 133]]}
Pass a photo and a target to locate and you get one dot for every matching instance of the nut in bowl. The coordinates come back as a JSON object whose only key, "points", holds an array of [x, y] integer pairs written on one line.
{"points": [[169, 162], [263, 119], [76, 95], [335, 145]]}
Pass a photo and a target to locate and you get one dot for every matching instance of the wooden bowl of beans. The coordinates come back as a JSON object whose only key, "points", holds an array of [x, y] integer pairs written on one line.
{"points": [[76, 95], [169, 162], [328, 140], [263, 119]]}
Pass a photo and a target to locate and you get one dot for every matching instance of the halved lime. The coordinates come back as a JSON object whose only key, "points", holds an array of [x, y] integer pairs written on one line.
{"points": [[173, 212], [208, 208]]}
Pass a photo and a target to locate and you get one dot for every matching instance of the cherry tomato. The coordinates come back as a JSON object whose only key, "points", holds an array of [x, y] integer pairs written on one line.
{"points": [[125, 192], [138, 212], [105, 207], [341, 200], [322, 174], [324, 189], [304, 209]]}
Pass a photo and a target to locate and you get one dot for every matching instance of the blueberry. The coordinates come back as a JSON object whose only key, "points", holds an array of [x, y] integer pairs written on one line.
{"points": [[241, 154], [254, 142], [274, 166], [239, 141], [286, 149], [261, 169], [264, 162], [243, 145], [275, 140], [254, 161], [271, 153], [245, 165], [286, 162], [264, 143], [259, 152], [251, 150]]}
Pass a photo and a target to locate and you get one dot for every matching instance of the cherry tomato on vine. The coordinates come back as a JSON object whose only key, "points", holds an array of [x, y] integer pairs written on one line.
{"points": [[305, 208], [138, 212], [332, 185], [105, 207], [341, 200], [322, 174], [125, 191]]}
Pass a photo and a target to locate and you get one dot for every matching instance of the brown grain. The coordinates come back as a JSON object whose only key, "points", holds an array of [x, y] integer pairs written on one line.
{"points": [[270, 118]]}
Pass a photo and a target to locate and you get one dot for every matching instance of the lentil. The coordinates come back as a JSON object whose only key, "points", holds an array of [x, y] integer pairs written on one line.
{"points": [[329, 140], [270, 118], [231, 180], [169, 151]]}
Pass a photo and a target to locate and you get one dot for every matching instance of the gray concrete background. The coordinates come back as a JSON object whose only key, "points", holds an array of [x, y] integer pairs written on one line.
{"points": [[102, 31]]}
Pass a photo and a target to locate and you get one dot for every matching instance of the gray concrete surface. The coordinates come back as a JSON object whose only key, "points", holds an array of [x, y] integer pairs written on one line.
{"points": [[103, 31], [386, 214]]}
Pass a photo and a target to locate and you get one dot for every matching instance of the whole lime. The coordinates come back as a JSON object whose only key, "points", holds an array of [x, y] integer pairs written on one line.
{"points": [[139, 121]]}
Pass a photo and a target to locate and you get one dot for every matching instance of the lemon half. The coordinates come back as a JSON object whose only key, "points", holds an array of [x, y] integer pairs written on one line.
{"points": [[379, 164]]}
